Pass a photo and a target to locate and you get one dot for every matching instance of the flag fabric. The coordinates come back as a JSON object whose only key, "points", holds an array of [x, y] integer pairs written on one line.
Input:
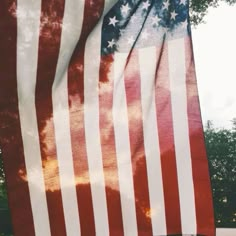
{"points": [[100, 125]]}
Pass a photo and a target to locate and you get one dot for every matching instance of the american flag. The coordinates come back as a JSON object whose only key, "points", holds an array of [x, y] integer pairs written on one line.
{"points": [[100, 126]]}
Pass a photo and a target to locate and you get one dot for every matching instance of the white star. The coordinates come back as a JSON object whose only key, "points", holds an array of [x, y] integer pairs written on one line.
{"points": [[182, 2], [125, 9], [173, 15], [184, 24], [155, 20], [145, 35], [113, 21], [166, 5], [131, 40], [111, 43], [146, 5]]}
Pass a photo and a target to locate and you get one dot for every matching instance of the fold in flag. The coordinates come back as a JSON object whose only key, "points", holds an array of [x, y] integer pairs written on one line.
{"points": [[100, 125]]}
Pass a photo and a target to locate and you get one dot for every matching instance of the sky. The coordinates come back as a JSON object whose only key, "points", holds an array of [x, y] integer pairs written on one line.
{"points": [[215, 58]]}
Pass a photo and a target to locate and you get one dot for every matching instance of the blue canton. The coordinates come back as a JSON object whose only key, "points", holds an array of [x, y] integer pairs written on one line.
{"points": [[143, 24]]}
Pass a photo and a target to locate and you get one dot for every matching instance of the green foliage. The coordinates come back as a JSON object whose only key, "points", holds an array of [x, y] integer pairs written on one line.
{"points": [[1, 168], [199, 8], [5, 224], [221, 150], [3, 194]]}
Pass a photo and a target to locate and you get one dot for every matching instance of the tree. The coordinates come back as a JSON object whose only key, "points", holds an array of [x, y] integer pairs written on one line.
{"points": [[3, 194], [5, 223], [221, 150], [199, 8]]}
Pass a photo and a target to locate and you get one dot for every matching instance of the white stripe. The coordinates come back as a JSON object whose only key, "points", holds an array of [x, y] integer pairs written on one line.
{"points": [[121, 129], [28, 21], [151, 139], [177, 71], [92, 132], [225, 232], [71, 29]]}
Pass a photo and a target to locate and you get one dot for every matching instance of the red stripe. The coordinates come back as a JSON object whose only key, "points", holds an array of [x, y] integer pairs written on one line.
{"points": [[202, 186], [76, 101], [49, 45], [166, 142], [10, 131], [108, 147], [133, 95]]}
